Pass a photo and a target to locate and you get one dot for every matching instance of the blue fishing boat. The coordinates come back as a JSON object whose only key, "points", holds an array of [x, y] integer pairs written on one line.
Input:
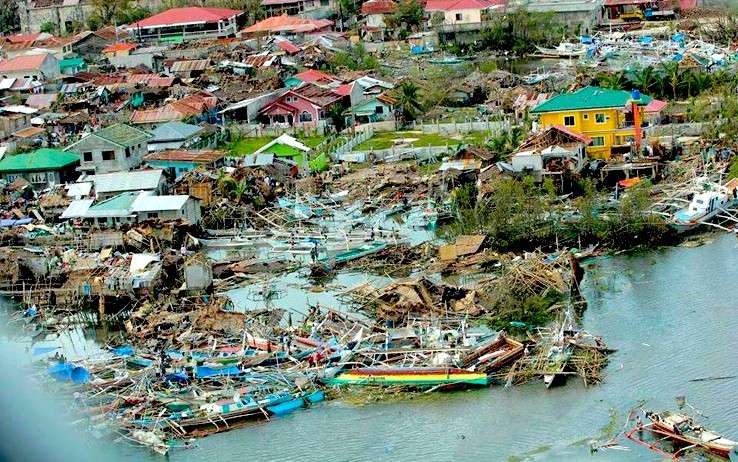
{"points": [[315, 397], [286, 407]]}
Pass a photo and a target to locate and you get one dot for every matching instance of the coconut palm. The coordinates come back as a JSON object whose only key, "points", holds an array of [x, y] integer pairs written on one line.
{"points": [[616, 80], [644, 80], [408, 101], [672, 75]]}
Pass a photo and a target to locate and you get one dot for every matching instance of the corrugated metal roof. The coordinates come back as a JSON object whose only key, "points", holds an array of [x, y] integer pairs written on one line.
{"points": [[190, 65], [187, 15], [258, 160], [145, 203], [23, 63], [174, 131], [141, 180], [77, 209], [123, 135], [183, 155], [118, 206], [82, 189]]}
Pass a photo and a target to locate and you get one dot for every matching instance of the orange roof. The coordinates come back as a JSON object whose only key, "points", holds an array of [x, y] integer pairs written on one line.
{"points": [[286, 23], [23, 63], [189, 106], [120, 47]]}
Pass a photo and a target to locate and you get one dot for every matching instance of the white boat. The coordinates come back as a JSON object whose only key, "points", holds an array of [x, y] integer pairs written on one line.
{"points": [[564, 50], [222, 243], [705, 206]]}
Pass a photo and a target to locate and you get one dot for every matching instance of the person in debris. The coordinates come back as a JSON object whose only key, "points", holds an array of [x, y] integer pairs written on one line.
{"points": [[371, 236], [314, 252]]}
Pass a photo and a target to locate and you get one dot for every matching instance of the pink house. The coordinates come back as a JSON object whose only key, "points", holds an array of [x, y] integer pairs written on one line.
{"points": [[307, 104]]}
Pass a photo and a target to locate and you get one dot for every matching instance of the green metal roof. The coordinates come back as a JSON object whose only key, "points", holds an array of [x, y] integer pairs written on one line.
{"points": [[71, 62], [123, 134], [39, 160], [119, 205], [588, 98]]}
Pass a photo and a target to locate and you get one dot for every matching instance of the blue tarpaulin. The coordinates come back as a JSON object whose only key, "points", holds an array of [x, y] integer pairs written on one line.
{"points": [[61, 372], [207, 371], [126, 350], [38, 351], [80, 375]]}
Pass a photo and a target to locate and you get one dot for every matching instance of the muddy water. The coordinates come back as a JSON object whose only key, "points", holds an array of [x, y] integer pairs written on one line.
{"points": [[670, 313]]}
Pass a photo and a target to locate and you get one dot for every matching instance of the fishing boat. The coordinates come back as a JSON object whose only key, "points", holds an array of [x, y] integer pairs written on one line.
{"points": [[494, 354], [682, 431], [411, 376], [564, 50], [358, 252], [705, 206], [223, 243], [557, 359]]}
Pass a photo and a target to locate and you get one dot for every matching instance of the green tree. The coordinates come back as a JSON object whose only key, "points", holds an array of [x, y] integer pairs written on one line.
{"points": [[672, 76], [48, 27], [336, 114], [644, 79], [107, 10], [615, 80], [9, 20], [408, 101]]}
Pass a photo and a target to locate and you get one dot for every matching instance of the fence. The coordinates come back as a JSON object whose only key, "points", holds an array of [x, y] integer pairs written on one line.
{"points": [[350, 144], [462, 127], [395, 153], [257, 130]]}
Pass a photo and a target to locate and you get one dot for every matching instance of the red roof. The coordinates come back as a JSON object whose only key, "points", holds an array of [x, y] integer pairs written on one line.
{"points": [[573, 134], [18, 38], [312, 75], [189, 106], [288, 46], [286, 23], [189, 15], [23, 63], [120, 47], [378, 7], [454, 5], [656, 106], [344, 90]]}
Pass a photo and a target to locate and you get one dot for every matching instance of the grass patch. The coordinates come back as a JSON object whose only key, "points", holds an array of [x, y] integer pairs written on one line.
{"points": [[386, 140], [245, 146]]}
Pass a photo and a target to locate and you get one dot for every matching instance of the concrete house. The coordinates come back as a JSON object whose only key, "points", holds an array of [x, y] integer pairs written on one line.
{"points": [[374, 12], [374, 109], [43, 168], [190, 23], [115, 148], [147, 207], [42, 67], [182, 161], [470, 13]]}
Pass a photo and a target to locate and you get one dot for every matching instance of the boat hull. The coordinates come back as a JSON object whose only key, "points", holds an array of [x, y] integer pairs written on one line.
{"points": [[411, 377]]}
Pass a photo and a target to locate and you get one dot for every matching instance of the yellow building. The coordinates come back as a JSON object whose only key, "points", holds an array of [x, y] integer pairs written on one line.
{"points": [[600, 113]]}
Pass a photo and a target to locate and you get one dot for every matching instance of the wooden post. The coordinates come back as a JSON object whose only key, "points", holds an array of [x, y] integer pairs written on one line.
{"points": [[101, 307]]}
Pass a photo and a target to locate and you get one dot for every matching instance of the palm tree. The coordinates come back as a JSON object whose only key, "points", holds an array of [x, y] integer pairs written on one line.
{"points": [[672, 75], [408, 101], [644, 79], [616, 80]]}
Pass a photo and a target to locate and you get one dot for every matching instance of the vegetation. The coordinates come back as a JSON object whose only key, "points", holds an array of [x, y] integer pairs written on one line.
{"points": [[408, 101], [252, 8], [9, 19], [505, 143], [522, 215], [408, 17], [669, 80], [356, 59], [48, 27], [520, 31]]}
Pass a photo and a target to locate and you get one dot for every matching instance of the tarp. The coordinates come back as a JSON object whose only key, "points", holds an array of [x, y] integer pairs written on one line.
{"points": [[139, 262], [207, 371], [10, 222], [126, 350]]}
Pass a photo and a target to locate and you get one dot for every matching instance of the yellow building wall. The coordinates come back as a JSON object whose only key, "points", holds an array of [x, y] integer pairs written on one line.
{"points": [[586, 123]]}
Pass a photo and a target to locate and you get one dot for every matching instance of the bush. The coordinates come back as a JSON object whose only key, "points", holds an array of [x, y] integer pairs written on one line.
{"points": [[48, 27]]}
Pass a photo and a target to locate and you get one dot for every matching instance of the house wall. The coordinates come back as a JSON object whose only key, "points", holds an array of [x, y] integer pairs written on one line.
{"points": [[39, 180], [179, 167], [467, 16], [375, 20], [91, 46], [62, 16], [190, 212], [151, 60], [49, 70], [13, 123], [613, 131], [96, 145]]}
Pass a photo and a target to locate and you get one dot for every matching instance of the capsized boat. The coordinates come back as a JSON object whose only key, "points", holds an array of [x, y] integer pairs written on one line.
{"points": [[410, 376], [705, 206]]}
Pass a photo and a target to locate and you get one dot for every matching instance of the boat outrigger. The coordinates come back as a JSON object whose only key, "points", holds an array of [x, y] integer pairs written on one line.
{"points": [[683, 433]]}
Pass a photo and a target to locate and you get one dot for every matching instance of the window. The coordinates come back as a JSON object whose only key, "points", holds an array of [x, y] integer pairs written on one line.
{"points": [[585, 116], [152, 215], [37, 178], [600, 118], [598, 141], [87, 156], [569, 121], [306, 117], [458, 16], [324, 2], [379, 109], [108, 155], [321, 114], [128, 152]]}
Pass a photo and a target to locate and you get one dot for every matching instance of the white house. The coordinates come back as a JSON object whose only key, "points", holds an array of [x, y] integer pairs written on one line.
{"points": [[42, 67], [463, 12]]}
